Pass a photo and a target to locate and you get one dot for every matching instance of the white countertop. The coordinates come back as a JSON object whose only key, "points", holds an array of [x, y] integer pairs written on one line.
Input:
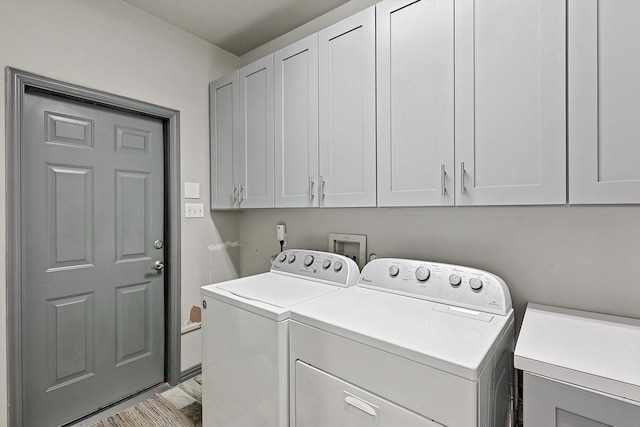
{"points": [[596, 351]]}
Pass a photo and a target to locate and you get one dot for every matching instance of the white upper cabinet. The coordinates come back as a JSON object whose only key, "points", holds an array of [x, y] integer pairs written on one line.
{"points": [[604, 101], [296, 124], [256, 138], [510, 103], [415, 64], [223, 110], [347, 112]]}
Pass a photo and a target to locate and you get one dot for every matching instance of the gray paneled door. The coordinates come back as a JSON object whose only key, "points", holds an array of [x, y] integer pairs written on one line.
{"points": [[93, 306]]}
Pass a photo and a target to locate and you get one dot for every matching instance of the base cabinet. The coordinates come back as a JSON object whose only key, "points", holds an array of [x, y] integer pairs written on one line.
{"points": [[552, 403]]}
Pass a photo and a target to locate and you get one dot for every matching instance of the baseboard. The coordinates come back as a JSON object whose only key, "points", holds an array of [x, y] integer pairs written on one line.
{"points": [[191, 372]]}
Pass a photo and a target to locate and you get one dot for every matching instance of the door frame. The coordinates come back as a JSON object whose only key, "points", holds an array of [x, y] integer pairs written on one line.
{"points": [[17, 82]]}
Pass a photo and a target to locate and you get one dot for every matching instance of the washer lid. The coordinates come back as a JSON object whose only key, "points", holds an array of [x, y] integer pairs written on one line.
{"points": [[456, 340], [282, 292], [268, 294], [591, 350]]}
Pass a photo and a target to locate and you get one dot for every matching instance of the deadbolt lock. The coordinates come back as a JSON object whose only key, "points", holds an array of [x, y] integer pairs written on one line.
{"points": [[158, 244]]}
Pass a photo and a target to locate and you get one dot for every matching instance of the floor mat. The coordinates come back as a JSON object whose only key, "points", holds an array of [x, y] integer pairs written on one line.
{"points": [[155, 411]]}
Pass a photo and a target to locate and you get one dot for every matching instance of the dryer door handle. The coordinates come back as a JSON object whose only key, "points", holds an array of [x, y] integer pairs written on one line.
{"points": [[361, 405]]}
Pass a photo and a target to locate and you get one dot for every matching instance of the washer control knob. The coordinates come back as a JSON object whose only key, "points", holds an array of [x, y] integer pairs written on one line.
{"points": [[337, 266], [476, 284], [291, 258], [422, 273], [455, 280], [326, 264], [308, 260], [394, 270], [282, 257]]}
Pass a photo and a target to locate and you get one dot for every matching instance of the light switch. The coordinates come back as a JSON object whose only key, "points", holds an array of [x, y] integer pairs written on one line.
{"points": [[193, 210], [191, 190]]}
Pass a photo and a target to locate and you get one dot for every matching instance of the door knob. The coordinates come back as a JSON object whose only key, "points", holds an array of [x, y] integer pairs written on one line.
{"points": [[158, 265]]}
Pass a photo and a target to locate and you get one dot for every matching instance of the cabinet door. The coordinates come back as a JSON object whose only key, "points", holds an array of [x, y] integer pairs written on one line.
{"points": [[296, 99], [223, 110], [547, 402], [415, 102], [256, 135], [347, 112], [604, 101], [510, 102]]}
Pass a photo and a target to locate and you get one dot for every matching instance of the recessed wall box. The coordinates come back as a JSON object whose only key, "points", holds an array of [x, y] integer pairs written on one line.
{"points": [[352, 245]]}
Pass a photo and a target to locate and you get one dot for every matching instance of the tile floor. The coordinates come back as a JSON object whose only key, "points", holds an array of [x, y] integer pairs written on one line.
{"points": [[187, 397]]}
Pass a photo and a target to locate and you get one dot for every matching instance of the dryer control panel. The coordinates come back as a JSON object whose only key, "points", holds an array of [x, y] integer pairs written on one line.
{"points": [[334, 269], [458, 286]]}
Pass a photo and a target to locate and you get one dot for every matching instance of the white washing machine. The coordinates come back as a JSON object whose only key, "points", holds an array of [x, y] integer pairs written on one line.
{"points": [[245, 336], [414, 344]]}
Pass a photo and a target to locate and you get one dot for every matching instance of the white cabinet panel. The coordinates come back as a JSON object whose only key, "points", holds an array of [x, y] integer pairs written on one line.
{"points": [[547, 402], [347, 112], [296, 127], [415, 63], [604, 101], [256, 141], [510, 102], [223, 110]]}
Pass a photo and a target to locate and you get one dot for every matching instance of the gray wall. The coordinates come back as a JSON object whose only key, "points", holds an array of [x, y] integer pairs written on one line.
{"points": [[579, 257], [114, 47]]}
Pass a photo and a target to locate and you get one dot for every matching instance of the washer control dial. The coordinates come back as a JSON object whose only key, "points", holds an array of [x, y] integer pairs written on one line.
{"points": [[394, 270], [326, 264], [422, 273], [337, 266], [455, 280], [308, 260], [476, 284], [291, 258], [282, 257]]}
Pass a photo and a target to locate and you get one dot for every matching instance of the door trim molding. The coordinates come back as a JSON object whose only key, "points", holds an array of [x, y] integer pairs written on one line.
{"points": [[17, 81]]}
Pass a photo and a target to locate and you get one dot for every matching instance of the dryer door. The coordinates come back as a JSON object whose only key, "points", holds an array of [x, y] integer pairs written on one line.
{"points": [[322, 400]]}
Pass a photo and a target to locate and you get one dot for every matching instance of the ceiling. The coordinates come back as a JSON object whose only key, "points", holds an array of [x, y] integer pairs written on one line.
{"points": [[237, 26]]}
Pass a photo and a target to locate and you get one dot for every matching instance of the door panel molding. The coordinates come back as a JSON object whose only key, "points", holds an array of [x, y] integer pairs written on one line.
{"points": [[17, 83]]}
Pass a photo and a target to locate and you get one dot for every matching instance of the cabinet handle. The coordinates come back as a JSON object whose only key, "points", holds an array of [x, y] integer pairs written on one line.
{"points": [[443, 175], [234, 198], [462, 186], [311, 188], [322, 184], [240, 188]]}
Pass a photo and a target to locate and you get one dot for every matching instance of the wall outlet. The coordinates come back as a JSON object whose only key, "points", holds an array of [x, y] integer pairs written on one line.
{"points": [[193, 210]]}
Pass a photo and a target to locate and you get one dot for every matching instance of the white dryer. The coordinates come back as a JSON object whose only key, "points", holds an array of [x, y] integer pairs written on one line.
{"points": [[414, 344], [245, 336]]}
